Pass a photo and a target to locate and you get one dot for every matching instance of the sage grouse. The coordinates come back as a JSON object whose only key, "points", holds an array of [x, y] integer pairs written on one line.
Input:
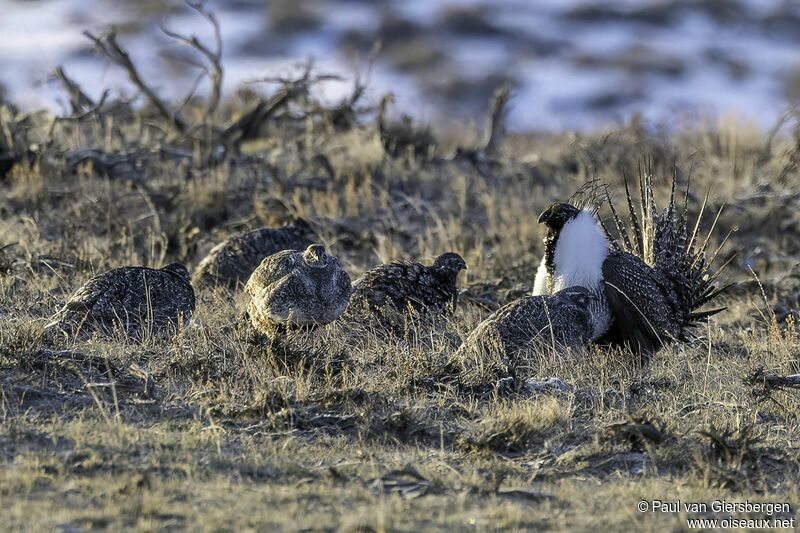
{"points": [[297, 288], [131, 300], [231, 262], [648, 294], [391, 295], [561, 320]]}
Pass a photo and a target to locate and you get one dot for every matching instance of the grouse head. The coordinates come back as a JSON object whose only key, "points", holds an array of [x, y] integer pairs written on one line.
{"points": [[177, 269], [315, 256], [301, 228], [557, 215], [450, 262]]}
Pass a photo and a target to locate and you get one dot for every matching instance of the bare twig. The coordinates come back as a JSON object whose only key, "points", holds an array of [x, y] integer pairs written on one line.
{"points": [[344, 115], [214, 57], [78, 99], [247, 126], [496, 120], [108, 45], [302, 83], [764, 384], [360, 85]]}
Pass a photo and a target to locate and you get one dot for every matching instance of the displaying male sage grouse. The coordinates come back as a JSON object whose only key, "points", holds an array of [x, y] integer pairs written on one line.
{"points": [[231, 262], [561, 321], [646, 298], [131, 300], [395, 295], [293, 288]]}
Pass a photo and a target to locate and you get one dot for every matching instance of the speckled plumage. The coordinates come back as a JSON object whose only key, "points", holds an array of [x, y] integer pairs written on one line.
{"points": [[132, 300], [632, 299], [389, 294], [640, 301], [661, 278], [297, 288], [562, 320], [231, 262], [651, 286]]}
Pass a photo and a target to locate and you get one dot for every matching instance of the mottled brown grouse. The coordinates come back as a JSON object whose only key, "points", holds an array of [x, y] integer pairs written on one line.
{"points": [[297, 289], [396, 295], [130, 300], [562, 321], [231, 262]]}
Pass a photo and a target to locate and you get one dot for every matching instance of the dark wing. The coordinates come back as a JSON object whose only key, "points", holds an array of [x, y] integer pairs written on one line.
{"points": [[160, 295], [642, 316], [533, 322], [234, 260], [428, 290], [520, 323], [382, 285], [101, 296], [401, 285]]}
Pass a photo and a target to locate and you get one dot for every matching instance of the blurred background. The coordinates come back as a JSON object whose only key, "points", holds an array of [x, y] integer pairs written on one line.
{"points": [[573, 64]]}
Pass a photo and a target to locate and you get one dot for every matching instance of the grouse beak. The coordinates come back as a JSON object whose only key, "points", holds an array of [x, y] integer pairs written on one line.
{"points": [[546, 215], [557, 215]]}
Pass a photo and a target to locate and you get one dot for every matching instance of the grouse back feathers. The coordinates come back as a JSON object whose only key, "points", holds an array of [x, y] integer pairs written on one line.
{"points": [[390, 294], [133, 300], [231, 262], [561, 320]]}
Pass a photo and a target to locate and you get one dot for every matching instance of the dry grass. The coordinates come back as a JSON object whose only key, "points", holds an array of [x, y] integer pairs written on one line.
{"points": [[332, 429]]}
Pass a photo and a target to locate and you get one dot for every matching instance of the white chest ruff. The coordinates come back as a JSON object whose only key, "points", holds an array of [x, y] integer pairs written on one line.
{"points": [[581, 249]]}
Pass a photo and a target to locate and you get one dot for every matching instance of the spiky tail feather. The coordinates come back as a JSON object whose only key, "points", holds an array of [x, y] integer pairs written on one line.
{"points": [[663, 241]]}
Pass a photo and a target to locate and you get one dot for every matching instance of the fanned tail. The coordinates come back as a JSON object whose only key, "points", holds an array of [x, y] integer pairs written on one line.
{"points": [[679, 257]]}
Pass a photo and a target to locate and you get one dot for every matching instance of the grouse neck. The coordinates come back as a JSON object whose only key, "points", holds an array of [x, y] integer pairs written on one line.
{"points": [[578, 253]]}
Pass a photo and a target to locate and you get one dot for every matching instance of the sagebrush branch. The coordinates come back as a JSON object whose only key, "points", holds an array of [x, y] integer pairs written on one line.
{"points": [[108, 45], [214, 57], [79, 100], [495, 126], [763, 384]]}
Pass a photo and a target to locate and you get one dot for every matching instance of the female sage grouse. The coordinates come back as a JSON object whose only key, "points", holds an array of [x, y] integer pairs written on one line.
{"points": [[562, 320], [231, 262], [131, 300], [297, 288], [392, 294]]}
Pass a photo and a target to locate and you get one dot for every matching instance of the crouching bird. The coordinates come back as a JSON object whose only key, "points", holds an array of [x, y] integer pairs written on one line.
{"points": [[231, 262], [561, 321], [395, 297], [131, 300], [294, 288]]}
